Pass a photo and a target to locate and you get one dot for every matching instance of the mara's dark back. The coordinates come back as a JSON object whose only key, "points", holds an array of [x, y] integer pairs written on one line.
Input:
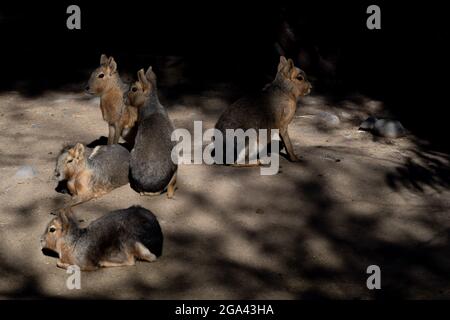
{"points": [[151, 165], [252, 111], [113, 230], [111, 164]]}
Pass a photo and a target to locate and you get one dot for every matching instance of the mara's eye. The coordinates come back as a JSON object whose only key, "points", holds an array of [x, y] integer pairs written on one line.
{"points": [[52, 229], [134, 89], [101, 75], [69, 161], [300, 77]]}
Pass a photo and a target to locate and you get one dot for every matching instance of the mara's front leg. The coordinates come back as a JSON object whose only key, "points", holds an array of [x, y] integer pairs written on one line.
{"points": [[288, 145], [83, 188], [62, 265], [117, 133], [172, 185], [111, 134]]}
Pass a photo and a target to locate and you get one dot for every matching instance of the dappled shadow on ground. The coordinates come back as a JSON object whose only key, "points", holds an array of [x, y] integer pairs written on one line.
{"points": [[286, 236], [425, 168], [309, 232], [306, 244]]}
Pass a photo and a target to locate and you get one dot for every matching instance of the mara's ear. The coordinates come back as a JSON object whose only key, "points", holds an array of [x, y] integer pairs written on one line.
{"points": [[143, 79], [112, 65], [79, 150], [290, 64], [151, 76], [65, 215], [285, 67], [291, 69], [282, 63], [103, 60]]}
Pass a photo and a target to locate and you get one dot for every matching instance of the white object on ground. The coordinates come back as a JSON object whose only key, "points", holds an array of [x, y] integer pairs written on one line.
{"points": [[25, 173], [328, 119]]}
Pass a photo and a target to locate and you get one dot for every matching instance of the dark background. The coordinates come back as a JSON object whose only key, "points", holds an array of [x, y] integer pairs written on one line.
{"points": [[404, 64]]}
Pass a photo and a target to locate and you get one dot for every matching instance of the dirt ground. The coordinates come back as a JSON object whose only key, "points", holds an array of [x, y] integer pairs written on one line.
{"points": [[310, 231]]}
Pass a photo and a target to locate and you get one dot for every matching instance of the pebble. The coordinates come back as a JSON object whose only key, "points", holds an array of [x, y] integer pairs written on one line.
{"points": [[25, 173], [328, 119], [387, 128]]}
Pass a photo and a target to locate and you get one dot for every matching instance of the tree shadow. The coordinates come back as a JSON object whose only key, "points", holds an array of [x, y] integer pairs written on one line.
{"points": [[425, 168]]}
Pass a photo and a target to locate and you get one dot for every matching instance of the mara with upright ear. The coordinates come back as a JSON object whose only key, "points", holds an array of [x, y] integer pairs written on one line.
{"points": [[106, 83], [91, 173], [152, 170], [118, 238], [272, 108]]}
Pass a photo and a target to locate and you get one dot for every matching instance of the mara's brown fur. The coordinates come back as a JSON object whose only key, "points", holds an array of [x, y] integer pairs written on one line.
{"points": [[91, 173], [105, 82], [272, 108], [116, 239], [129, 124], [79, 177], [152, 170]]}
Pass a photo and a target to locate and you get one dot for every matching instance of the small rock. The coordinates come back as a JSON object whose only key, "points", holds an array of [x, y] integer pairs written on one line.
{"points": [[25, 173], [328, 119], [389, 128]]}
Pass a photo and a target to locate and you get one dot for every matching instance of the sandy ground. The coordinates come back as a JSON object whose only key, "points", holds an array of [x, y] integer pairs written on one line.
{"points": [[308, 232]]}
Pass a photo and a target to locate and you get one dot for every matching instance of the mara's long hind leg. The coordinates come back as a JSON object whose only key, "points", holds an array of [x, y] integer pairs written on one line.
{"points": [[288, 146], [251, 152], [108, 264], [170, 189], [142, 253], [172, 185], [120, 260]]}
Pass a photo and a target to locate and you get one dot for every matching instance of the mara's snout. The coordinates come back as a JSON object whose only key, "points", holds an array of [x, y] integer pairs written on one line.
{"points": [[87, 90], [308, 90]]}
